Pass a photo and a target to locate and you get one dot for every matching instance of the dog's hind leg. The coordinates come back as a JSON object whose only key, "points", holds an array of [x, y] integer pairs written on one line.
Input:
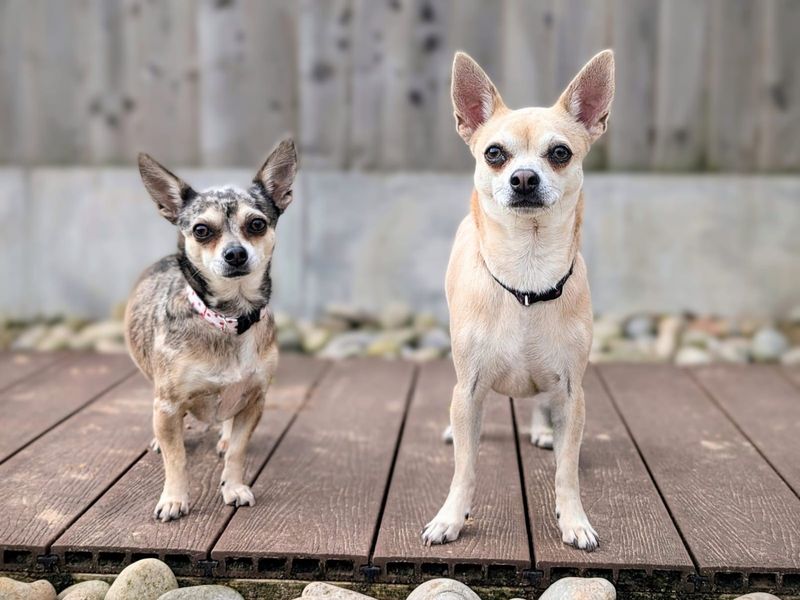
{"points": [[168, 428], [541, 423], [234, 490], [568, 418], [466, 412]]}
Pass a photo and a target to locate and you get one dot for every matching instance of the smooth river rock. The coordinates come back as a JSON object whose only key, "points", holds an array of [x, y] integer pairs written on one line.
{"points": [[443, 589], [331, 592], [203, 592], [11, 589], [85, 590], [146, 579], [580, 588]]}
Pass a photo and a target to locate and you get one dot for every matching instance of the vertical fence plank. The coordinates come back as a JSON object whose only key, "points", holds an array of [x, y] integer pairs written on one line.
{"points": [[15, 79], [528, 40], [681, 78], [368, 77], [735, 104], [583, 28], [324, 62], [248, 67], [780, 143], [631, 137]]}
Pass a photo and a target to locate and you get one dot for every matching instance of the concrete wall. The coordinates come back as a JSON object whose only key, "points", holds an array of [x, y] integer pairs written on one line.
{"points": [[73, 240]]}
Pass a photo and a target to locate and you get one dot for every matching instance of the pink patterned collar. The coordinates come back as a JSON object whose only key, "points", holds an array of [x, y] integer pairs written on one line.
{"points": [[237, 325]]}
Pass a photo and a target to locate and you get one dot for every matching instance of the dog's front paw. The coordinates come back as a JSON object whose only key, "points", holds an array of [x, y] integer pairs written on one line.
{"points": [[443, 528], [542, 437], [171, 507], [577, 531], [237, 494]]}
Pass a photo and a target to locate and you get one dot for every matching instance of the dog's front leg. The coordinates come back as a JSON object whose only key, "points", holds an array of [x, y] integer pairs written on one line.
{"points": [[234, 490], [168, 429], [466, 412], [568, 414]]}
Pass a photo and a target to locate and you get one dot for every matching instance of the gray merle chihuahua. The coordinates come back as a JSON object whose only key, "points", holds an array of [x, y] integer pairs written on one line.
{"points": [[198, 324]]}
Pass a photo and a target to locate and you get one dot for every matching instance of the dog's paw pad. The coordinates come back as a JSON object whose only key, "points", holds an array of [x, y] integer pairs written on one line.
{"points": [[237, 494], [171, 507]]}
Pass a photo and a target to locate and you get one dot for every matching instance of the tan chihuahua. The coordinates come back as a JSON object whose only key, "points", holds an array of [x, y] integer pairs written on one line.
{"points": [[520, 309], [198, 322]]}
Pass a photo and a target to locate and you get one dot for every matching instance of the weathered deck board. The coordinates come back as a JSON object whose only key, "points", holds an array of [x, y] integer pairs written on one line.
{"points": [[121, 525], [16, 366], [637, 535], [50, 483], [494, 543], [735, 513], [764, 406], [793, 373], [321, 493], [36, 404]]}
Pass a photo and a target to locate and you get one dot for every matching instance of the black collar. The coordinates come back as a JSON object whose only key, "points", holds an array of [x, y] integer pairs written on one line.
{"points": [[245, 322], [528, 298]]}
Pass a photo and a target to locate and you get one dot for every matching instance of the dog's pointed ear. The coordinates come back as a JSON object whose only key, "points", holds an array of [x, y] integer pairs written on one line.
{"points": [[278, 172], [168, 191], [588, 98], [475, 98]]}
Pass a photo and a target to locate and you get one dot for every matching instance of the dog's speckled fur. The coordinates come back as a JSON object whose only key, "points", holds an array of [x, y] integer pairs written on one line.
{"points": [[196, 368], [528, 239]]}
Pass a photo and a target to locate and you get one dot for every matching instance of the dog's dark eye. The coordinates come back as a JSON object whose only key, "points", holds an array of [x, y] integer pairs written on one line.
{"points": [[257, 226], [494, 155], [201, 232], [560, 154]]}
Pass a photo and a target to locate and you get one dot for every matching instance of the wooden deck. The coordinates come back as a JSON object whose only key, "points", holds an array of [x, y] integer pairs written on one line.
{"points": [[691, 477]]}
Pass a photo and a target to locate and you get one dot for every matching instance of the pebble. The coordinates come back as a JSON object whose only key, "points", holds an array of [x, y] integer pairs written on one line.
{"points": [[697, 338], [758, 596], [691, 355], [314, 339], [669, 330], [347, 345], [331, 592], [605, 329], [289, 338], [791, 357], [90, 335], [443, 589], [86, 590], [29, 337], [202, 592], [389, 343], [768, 344], [396, 315], [11, 589], [793, 316], [733, 349], [420, 354], [353, 315], [424, 321], [57, 338], [639, 326], [146, 579], [580, 588], [435, 338]]}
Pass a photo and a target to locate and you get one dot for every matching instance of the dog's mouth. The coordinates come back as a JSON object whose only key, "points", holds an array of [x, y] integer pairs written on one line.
{"points": [[233, 273], [527, 204]]}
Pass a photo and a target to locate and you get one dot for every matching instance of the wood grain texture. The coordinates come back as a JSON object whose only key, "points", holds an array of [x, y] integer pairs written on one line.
{"points": [[496, 533], [50, 483], [731, 507], [34, 405], [16, 366], [122, 523], [321, 492], [619, 497], [793, 373], [765, 406], [681, 83]]}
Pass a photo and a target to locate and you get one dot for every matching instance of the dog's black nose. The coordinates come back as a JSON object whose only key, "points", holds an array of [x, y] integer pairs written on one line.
{"points": [[524, 181], [235, 256]]}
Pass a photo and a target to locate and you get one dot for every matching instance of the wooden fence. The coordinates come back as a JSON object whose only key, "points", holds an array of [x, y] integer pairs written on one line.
{"points": [[701, 84]]}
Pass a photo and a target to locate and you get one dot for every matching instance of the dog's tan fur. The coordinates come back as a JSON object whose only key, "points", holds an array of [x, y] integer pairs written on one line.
{"points": [[499, 344], [215, 375]]}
